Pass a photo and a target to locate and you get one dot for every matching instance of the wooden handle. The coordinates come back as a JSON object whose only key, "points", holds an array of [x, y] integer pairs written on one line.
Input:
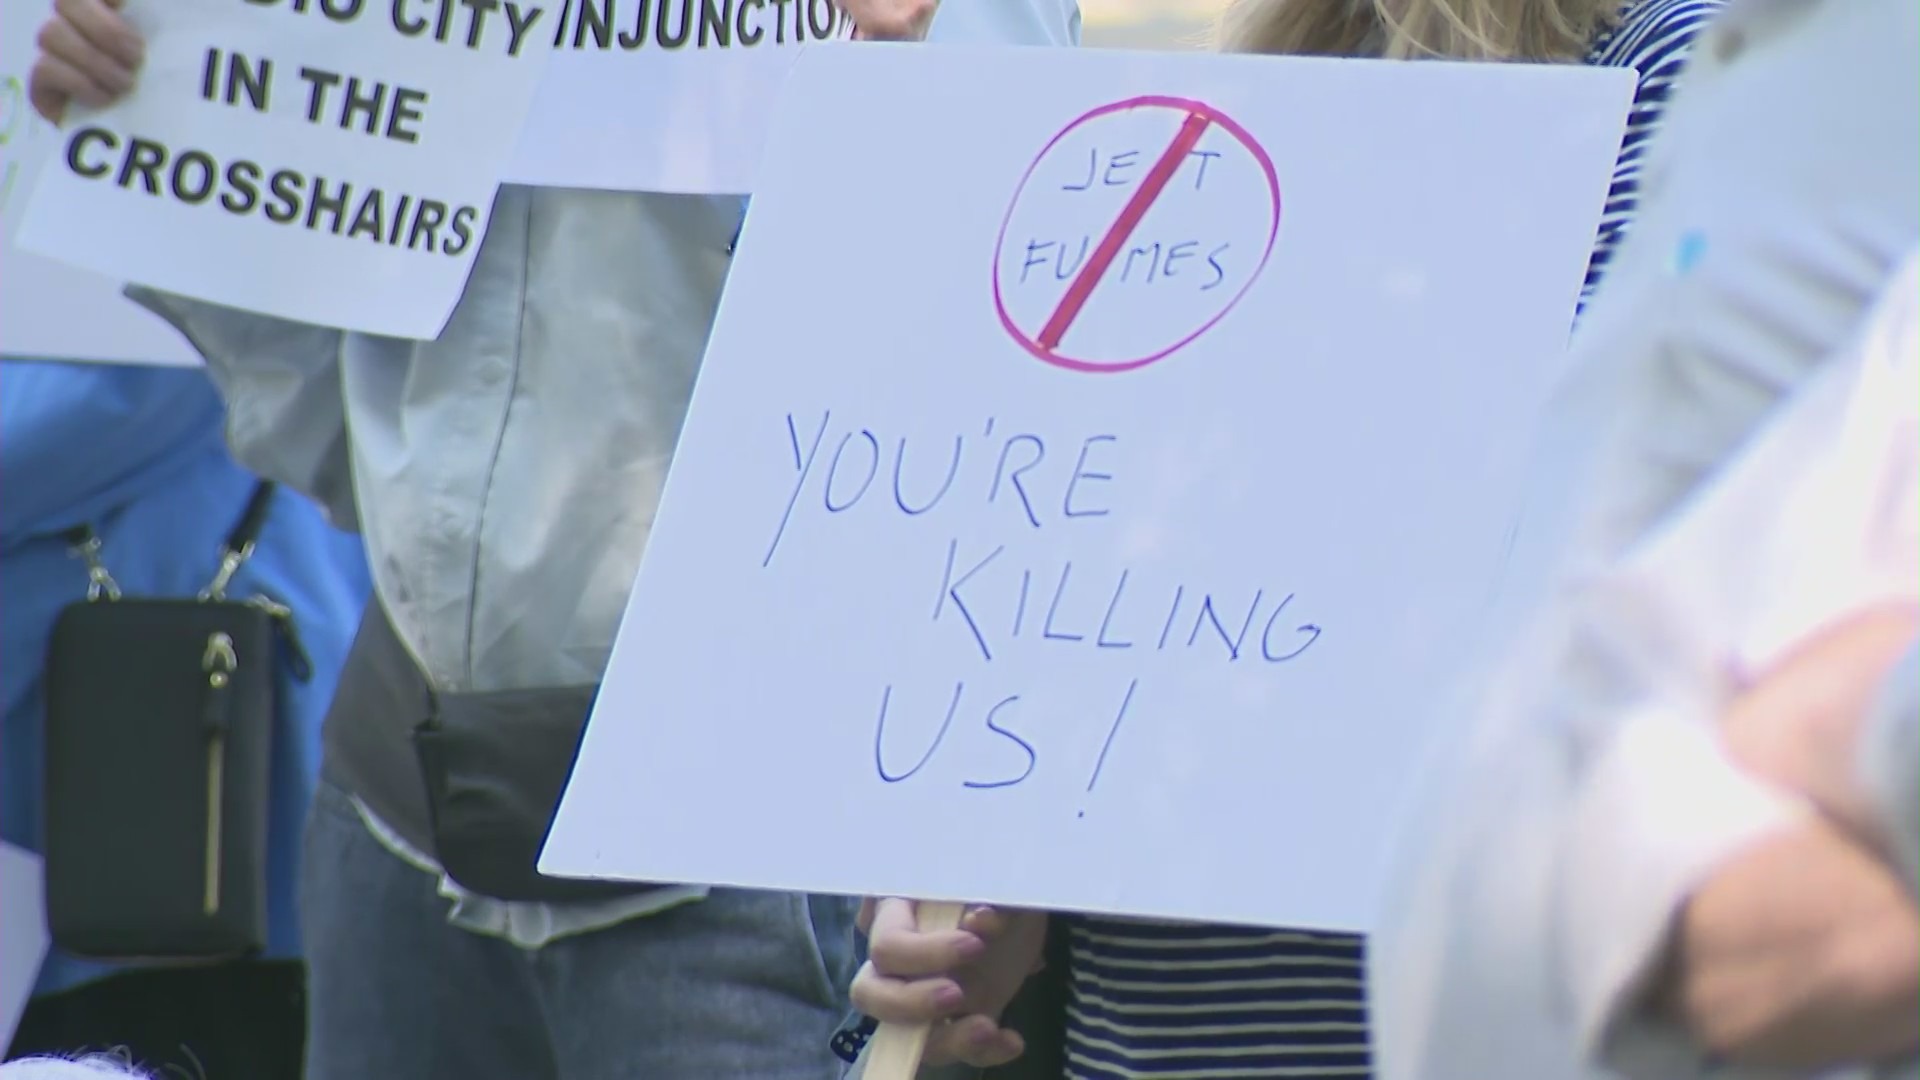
{"points": [[894, 1051]]}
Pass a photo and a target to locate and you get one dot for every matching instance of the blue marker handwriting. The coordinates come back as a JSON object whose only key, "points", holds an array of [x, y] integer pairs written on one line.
{"points": [[1009, 471], [994, 603], [986, 598]]}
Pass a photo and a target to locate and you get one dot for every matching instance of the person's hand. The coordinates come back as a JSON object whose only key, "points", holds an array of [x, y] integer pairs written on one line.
{"points": [[88, 54], [960, 981], [890, 20], [1798, 725], [1801, 952]]}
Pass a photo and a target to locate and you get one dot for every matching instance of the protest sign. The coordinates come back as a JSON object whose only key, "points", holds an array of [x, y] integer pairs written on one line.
{"points": [[49, 310], [682, 92], [1085, 509], [327, 161]]}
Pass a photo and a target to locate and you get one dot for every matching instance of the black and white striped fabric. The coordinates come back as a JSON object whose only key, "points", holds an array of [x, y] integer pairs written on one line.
{"points": [[1653, 37], [1159, 1001], [1176, 1000]]}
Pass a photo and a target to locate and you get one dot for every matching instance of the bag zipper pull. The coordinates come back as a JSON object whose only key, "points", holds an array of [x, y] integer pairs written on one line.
{"points": [[287, 629], [219, 663]]}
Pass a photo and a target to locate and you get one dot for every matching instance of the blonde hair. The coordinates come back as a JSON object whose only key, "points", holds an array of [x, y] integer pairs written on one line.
{"points": [[1541, 31]]}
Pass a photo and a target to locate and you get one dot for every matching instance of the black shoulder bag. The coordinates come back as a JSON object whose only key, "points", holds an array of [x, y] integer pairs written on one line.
{"points": [[159, 730]]}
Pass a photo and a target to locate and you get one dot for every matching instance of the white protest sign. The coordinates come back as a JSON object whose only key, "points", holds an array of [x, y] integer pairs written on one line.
{"points": [[326, 161], [23, 933], [1085, 509], [49, 310], [665, 95]]}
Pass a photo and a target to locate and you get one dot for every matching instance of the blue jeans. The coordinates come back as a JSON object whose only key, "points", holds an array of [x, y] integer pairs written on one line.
{"points": [[741, 984]]}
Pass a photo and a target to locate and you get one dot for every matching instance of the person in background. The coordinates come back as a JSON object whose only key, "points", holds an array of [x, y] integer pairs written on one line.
{"points": [[1130, 999], [505, 477], [137, 454], [1532, 919], [1652, 37]]}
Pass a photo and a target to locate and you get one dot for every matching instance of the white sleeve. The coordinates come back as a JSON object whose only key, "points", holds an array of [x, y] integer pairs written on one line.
{"points": [[286, 420]]}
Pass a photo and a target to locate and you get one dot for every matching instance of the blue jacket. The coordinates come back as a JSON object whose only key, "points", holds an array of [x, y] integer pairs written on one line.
{"points": [[138, 453]]}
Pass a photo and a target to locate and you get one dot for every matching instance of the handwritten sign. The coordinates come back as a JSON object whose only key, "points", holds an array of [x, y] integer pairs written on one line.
{"points": [[1139, 609], [698, 79], [326, 161], [49, 310], [1093, 235]]}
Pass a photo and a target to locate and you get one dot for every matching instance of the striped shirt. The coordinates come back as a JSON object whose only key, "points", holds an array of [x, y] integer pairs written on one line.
{"points": [[1182, 1000], [1155, 1001], [1652, 37]]}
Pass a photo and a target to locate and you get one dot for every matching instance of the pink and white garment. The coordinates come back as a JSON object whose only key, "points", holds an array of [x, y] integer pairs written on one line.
{"points": [[1602, 796]]}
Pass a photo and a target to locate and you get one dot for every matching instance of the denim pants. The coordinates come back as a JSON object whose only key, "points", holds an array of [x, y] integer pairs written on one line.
{"points": [[741, 984]]}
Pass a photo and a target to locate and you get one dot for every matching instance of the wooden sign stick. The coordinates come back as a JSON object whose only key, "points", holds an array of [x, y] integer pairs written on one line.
{"points": [[895, 1050]]}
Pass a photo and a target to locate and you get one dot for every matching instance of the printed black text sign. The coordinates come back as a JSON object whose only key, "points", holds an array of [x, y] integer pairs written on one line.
{"points": [[327, 161]]}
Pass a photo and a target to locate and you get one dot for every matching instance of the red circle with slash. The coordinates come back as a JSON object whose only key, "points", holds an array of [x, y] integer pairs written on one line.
{"points": [[1044, 339]]}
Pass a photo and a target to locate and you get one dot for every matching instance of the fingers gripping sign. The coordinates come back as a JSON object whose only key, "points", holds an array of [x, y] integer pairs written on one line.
{"points": [[939, 977], [88, 54]]}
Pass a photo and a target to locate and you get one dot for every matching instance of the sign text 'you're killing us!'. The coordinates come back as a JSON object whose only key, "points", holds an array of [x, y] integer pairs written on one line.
{"points": [[985, 599], [1103, 267]]}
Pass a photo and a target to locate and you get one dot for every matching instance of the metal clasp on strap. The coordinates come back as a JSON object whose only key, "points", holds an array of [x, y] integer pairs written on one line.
{"points": [[219, 661], [230, 563], [99, 582]]}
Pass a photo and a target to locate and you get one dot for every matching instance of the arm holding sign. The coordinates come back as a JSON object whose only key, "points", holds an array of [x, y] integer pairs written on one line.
{"points": [[281, 380]]}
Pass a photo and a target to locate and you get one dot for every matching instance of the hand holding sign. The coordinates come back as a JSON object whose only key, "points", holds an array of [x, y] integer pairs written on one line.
{"points": [[88, 54], [938, 979]]}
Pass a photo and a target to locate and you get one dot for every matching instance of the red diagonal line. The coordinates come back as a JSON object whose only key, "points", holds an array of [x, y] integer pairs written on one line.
{"points": [[1150, 188]]}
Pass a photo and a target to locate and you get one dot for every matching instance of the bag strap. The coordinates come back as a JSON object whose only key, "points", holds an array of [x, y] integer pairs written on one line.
{"points": [[239, 546], [85, 544]]}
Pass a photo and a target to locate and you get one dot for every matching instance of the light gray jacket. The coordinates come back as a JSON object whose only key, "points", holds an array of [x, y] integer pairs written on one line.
{"points": [[504, 476]]}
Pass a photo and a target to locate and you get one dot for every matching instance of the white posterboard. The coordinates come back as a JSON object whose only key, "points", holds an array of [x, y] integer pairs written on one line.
{"points": [[49, 310], [664, 95], [23, 934], [1084, 510], [710, 76], [330, 162]]}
